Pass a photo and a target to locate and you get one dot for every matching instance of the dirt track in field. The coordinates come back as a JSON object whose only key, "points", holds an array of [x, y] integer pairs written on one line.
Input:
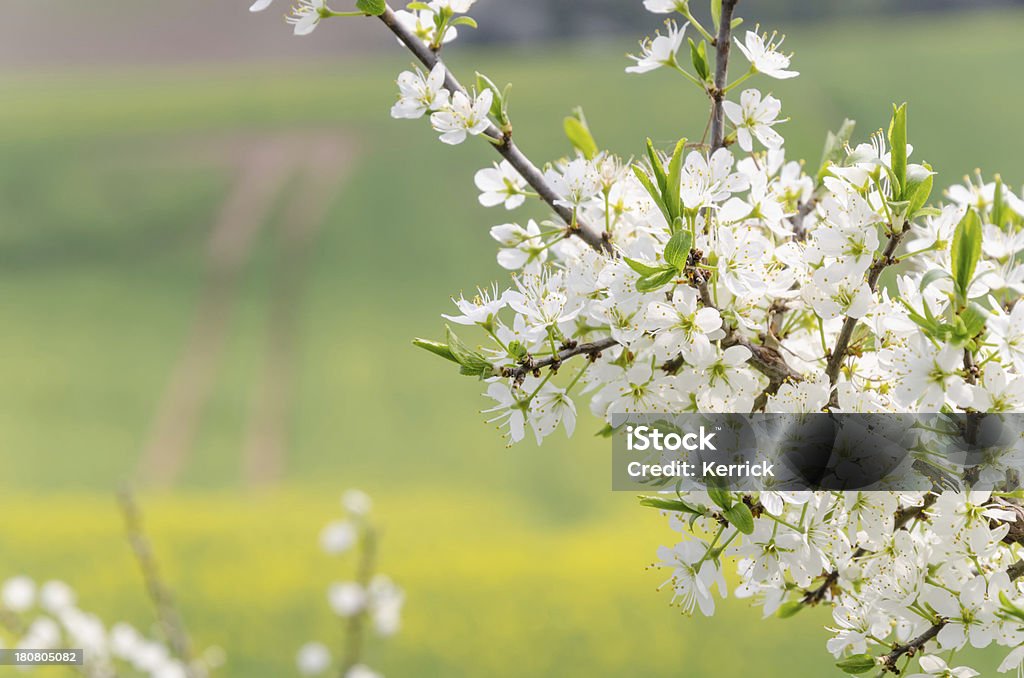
{"points": [[295, 176]]}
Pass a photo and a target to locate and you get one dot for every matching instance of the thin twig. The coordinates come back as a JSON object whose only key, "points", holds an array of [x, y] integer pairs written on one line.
{"points": [[591, 349], [356, 625], [163, 601], [835, 359], [914, 646], [722, 44], [502, 142]]}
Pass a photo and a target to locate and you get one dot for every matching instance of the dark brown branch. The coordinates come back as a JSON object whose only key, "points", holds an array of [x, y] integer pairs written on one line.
{"points": [[901, 519], [722, 44], [835, 359], [911, 648], [530, 366], [502, 142], [1015, 571]]}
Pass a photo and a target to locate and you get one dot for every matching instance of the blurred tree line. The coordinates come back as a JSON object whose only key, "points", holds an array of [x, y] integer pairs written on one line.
{"points": [[528, 20]]}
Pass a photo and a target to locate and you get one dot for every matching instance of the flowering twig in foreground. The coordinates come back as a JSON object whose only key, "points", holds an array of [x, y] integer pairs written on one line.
{"points": [[160, 595], [370, 601]]}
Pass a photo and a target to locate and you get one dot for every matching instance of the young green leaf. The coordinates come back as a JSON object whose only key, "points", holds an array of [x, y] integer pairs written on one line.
{"points": [[464, 21], [669, 505], [920, 180], [654, 281], [740, 516], [580, 137], [677, 251], [656, 166], [642, 268], [517, 351], [973, 318], [789, 609], [998, 211], [435, 347], [965, 252], [716, 12], [718, 494], [371, 7], [898, 143], [699, 59], [673, 181], [858, 663]]}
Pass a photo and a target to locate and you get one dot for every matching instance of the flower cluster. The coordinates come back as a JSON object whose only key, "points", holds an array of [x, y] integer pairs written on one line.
{"points": [[47, 617], [721, 276], [368, 599]]}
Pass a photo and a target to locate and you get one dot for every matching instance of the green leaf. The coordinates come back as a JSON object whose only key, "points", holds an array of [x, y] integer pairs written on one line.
{"points": [[654, 281], [418, 5], [718, 494], [998, 211], [464, 21], [669, 505], [898, 143], [716, 12], [699, 59], [499, 106], [656, 166], [371, 7], [607, 431], [965, 252], [473, 364], [435, 347], [655, 194], [974, 319], [581, 138], [835, 147], [642, 268], [736, 23], [673, 181], [517, 351], [858, 663], [789, 609], [677, 251], [920, 180], [740, 516]]}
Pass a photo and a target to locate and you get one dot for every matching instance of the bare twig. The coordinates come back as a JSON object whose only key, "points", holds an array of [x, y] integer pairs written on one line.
{"points": [[901, 519], [722, 44], [356, 624], [502, 142], [167, 613], [592, 349], [885, 259], [912, 647]]}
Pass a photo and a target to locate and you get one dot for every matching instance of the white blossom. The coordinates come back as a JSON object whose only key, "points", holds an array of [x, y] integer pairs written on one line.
{"points": [[463, 116]]}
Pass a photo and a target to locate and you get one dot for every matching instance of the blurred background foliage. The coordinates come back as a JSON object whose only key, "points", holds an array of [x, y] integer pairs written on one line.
{"points": [[215, 248]]}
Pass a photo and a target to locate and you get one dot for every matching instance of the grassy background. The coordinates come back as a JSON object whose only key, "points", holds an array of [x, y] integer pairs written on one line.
{"points": [[517, 562]]}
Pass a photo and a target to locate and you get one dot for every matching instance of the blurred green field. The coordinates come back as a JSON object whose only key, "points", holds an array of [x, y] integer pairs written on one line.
{"points": [[516, 562]]}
